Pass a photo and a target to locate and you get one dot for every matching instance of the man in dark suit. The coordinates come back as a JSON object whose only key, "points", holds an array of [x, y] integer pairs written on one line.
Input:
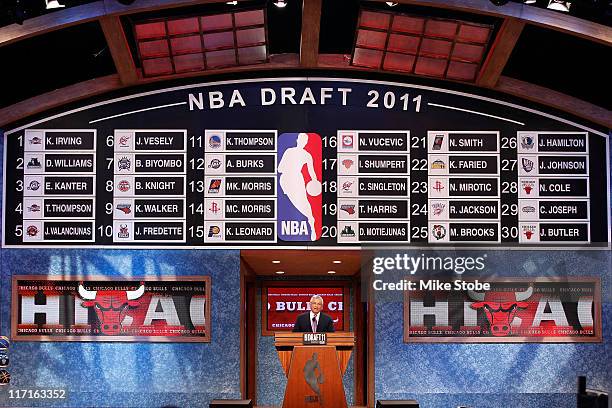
{"points": [[314, 321]]}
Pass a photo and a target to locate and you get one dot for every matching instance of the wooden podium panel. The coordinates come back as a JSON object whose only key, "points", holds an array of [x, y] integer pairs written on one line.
{"points": [[343, 341], [314, 379], [314, 373]]}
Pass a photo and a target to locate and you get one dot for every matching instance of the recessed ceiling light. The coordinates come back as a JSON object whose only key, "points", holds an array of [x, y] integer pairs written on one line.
{"points": [[559, 5], [276, 261], [53, 4], [280, 3], [337, 261], [391, 3], [331, 272], [231, 3], [280, 272]]}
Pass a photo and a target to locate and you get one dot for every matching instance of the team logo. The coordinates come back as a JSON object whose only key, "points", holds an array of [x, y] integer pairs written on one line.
{"points": [[527, 164], [214, 208], [528, 231], [528, 209], [214, 231], [34, 208], [32, 230], [347, 186], [35, 140], [4, 342], [437, 143], [215, 186], [124, 163], [528, 186], [299, 177], [124, 231], [437, 209], [34, 163], [111, 306], [124, 186], [347, 231], [34, 185], [214, 164], [348, 163], [438, 165], [214, 141], [125, 208], [438, 186], [5, 377], [348, 208], [124, 141], [501, 308], [527, 142], [438, 231], [4, 358], [347, 141]]}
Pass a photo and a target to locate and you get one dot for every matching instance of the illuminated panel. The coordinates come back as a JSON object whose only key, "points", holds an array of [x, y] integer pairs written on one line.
{"points": [[421, 45], [200, 43]]}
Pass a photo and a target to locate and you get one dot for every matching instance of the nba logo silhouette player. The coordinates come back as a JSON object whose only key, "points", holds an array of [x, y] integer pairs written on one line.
{"points": [[299, 180]]}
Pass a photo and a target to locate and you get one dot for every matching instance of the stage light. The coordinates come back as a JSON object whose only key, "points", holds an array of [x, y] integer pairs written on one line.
{"points": [[331, 272], [530, 1], [280, 3], [276, 261], [559, 5], [337, 261], [280, 272], [231, 3], [391, 3], [53, 4]]}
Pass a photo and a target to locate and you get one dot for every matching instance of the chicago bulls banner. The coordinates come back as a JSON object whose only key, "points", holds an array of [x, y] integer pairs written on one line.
{"points": [[286, 301], [557, 310], [46, 308]]}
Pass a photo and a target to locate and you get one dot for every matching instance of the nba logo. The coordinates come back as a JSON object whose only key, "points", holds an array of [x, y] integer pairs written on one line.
{"points": [[299, 194]]}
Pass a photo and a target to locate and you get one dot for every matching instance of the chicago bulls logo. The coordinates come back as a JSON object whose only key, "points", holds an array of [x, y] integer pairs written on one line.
{"points": [[500, 308], [110, 306]]}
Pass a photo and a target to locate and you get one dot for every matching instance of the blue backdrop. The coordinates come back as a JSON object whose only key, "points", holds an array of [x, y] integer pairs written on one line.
{"points": [[497, 375], [130, 374]]}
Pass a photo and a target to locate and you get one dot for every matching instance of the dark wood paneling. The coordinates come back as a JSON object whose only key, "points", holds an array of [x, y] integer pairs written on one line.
{"points": [[50, 22], [499, 54], [248, 334], [360, 377], [555, 99], [120, 50], [59, 97], [311, 27]]}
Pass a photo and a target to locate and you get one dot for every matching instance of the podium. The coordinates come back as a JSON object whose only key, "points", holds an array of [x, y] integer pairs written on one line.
{"points": [[314, 373]]}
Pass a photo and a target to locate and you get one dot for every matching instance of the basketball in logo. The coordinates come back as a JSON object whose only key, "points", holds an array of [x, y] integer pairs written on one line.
{"points": [[300, 193]]}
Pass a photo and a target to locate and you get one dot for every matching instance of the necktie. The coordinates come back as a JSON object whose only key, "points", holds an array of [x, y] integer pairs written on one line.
{"points": [[314, 324]]}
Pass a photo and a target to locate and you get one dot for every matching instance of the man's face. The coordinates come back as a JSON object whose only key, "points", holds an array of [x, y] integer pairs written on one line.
{"points": [[316, 305]]}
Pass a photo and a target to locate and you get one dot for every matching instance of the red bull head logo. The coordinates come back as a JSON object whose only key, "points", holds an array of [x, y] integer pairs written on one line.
{"points": [[110, 306], [500, 308]]}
